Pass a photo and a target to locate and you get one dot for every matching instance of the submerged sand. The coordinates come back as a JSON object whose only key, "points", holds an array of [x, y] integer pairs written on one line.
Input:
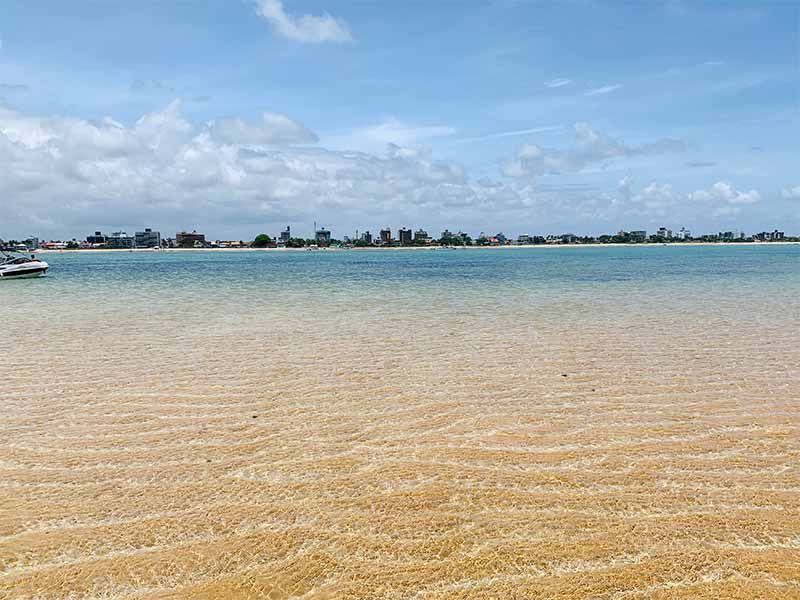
{"points": [[629, 453]]}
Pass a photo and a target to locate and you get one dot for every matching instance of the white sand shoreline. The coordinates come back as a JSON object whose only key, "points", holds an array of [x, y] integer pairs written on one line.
{"points": [[423, 248]]}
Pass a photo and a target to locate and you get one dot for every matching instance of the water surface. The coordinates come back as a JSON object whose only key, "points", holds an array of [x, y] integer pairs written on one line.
{"points": [[602, 422]]}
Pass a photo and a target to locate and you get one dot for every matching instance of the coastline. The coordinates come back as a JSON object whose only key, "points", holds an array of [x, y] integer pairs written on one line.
{"points": [[422, 248]]}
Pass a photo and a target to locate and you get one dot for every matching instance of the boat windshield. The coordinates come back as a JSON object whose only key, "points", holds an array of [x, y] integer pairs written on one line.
{"points": [[10, 259]]}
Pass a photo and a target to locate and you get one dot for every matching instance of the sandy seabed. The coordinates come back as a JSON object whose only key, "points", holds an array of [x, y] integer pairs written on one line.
{"points": [[407, 455]]}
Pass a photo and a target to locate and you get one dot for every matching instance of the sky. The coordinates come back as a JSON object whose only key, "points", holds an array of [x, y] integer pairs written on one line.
{"points": [[235, 117]]}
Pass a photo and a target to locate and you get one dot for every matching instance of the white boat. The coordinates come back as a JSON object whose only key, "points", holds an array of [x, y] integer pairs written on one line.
{"points": [[20, 267]]}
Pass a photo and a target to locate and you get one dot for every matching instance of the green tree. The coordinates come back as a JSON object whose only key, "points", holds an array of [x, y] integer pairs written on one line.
{"points": [[262, 241]]}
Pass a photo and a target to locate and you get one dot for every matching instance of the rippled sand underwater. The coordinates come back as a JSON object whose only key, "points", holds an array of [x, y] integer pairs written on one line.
{"points": [[499, 445]]}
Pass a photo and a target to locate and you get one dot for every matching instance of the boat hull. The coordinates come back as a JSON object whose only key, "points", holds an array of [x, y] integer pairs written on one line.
{"points": [[24, 272]]}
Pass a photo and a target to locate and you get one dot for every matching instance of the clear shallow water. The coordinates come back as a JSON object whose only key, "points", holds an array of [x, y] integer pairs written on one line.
{"points": [[448, 269], [515, 279], [572, 423]]}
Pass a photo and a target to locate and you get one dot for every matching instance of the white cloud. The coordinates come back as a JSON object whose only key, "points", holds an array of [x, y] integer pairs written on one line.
{"points": [[590, 147], [606, 89], [310, 29], [375, 138], [724, 192], [65, 174], [656, 198], [62, 175], [791, 193], [393, 131], [556, 83]]}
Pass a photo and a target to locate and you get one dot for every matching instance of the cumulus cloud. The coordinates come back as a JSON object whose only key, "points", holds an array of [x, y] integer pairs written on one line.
{"points": [[724, 192], [61, 173], [590, 147], [309, 29], [656, 198], [791, 193], [723, 200], [600, 91]]}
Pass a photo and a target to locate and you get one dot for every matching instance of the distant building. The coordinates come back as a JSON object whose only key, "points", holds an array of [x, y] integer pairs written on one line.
{"points": [[684, 234], [286, 235], [448, 237], [32, 243], [97, 239], [148, 238], [728, 236], [366, 237], [386, 236], [322, 237], [663, 232], [228, 244], [404, 235], [639, 235], [766, 236], [184, 239], [420, 235], [501, 239], [119, 240], [57, 245]]}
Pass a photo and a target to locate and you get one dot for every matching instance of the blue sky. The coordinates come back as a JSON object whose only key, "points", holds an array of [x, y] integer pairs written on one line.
{"points": [[517, 116]]}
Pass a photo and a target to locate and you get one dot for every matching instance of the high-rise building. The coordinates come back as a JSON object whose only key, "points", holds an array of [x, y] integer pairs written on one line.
{"points": [[663, 232], [420, 235], [640, 235], [286, 235], [148, 238], [366, 237], [119, 240], [404, 235], [322, 236], [184, 239], [97, 238], [386, 236]]}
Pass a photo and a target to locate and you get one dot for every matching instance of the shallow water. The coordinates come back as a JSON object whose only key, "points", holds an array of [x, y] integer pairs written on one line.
{"points": [[523, 423]]}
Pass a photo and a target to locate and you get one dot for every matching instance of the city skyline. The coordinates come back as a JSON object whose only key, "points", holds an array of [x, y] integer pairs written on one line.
{"points": [[252, 115], [402, 236]]}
